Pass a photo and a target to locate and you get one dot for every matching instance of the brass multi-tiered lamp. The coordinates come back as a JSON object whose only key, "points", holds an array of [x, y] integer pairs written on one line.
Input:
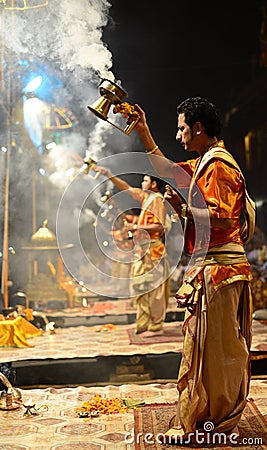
{"points": [[112, 95]]}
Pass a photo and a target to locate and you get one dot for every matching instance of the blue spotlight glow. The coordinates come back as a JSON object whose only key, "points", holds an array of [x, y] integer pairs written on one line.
{"points": [[31, 71], [34, 84]]}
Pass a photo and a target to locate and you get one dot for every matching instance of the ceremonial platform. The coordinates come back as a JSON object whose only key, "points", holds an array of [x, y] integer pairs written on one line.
{"points": [[97, 344], [93, 357]]}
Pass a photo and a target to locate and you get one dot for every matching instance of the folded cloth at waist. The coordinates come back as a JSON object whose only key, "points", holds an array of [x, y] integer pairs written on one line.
{"points": [[221, 257], [230, 253]]}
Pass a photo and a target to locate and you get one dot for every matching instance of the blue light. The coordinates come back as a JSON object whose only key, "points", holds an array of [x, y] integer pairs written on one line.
{"points": [[34, 84], [39, 79]]}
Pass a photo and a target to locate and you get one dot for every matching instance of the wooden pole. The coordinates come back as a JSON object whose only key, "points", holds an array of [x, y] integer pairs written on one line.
{"points": [[34, 219], [8, 110], [4, 284]]}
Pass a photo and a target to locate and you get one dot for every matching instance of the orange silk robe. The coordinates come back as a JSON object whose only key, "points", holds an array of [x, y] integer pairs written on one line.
{"points": [[221, 187], [214, 371], [154, 213]]}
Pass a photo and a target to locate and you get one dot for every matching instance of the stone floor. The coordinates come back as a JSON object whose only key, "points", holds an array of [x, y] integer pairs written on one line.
{"points": [[89, 342], [58, 426]]}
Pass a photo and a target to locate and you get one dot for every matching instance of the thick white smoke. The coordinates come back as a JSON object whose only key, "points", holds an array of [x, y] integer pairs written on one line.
{"points": [[81, 42], [64, 31], [66, 37]]}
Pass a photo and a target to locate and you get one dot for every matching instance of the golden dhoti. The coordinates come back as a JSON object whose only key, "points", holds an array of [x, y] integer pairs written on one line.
{"points": [[213, 380], [151, 302]]}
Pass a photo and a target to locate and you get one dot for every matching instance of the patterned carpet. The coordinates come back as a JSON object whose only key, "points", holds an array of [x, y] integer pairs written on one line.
{"points": [[58, 426], [150, 426]]}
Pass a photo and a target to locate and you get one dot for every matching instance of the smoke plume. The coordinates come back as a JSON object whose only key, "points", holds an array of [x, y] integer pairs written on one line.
{"points": [[64, 39]]}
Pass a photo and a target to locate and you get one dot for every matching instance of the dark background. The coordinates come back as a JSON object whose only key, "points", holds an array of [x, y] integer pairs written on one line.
{"points": [[164, 52]]}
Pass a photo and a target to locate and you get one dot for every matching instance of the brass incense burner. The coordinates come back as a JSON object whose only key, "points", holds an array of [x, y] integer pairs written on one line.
{"points": [[11, 398], [113, 94], [89, 164]]}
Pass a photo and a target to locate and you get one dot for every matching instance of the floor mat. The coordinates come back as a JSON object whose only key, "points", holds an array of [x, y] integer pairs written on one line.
{"points": [[151, 422]]}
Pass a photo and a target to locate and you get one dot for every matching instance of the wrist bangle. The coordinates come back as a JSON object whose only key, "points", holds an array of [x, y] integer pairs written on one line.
{"points": [[149, 152], [184, 210], [135, 227]]}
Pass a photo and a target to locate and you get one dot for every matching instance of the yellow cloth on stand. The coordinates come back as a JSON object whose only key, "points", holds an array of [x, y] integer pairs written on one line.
{"points": [[14, 333]]}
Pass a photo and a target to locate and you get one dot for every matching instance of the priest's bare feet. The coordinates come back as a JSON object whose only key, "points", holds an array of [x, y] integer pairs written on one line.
{"points": [[148, 334]]}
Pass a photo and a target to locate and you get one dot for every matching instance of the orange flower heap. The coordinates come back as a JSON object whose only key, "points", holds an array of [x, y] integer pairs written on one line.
{"points": [[106, 327], [103, 406], [126, 109]]}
